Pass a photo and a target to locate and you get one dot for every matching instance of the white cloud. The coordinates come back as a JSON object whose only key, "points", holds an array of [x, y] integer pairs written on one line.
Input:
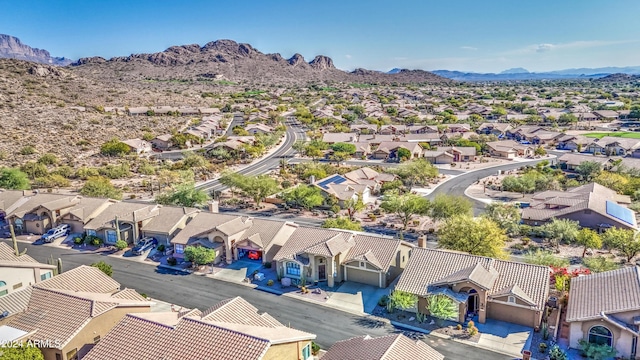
{"points": [[582, 44], [348, 56], [544, 47], [471, 48]]}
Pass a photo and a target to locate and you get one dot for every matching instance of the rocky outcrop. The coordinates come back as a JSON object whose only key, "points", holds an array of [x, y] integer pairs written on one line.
{"points": [[11, 47], [297, 60], [89, 60], [46, 71], [322, 62]]}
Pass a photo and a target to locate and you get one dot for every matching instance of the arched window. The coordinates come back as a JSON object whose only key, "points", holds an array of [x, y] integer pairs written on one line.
{"points": [[600, 335], [2, 283]]}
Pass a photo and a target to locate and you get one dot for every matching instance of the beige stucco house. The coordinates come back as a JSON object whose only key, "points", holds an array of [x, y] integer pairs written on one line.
{"points": [[20, 271], [604, 308], [482, 287]]}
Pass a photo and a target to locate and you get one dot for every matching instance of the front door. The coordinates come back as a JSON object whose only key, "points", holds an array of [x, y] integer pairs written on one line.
{"points": [[322, 272]]}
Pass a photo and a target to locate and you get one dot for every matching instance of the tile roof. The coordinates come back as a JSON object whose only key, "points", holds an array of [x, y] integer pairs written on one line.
{"points": [[201, 224], [390, 347], [16, 301], [8, 255], [378, 251], [87, 207], [608, 292], [168, 218], [48, 201], [478, 274], [10, 197], [223, 332], [125, 211], [307, 237], [83, 278], [430, 267]]}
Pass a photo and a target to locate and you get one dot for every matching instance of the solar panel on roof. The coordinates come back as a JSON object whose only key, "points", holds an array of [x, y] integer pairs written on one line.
{"points": [[337, 179], [620, 212]]}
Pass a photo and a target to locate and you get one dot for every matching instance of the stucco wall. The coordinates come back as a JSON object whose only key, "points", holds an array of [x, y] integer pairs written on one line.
{"points": [[288, 351], [513, 314], [622, 340], [26, 276]]}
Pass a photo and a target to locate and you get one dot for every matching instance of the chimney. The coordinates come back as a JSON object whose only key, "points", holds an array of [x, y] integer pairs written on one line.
{"points": [[213, 206], [422, 241]]}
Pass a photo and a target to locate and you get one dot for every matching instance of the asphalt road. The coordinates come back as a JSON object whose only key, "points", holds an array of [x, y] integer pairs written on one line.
{"points": [[266, 164], [193, 291], [458, 184]]}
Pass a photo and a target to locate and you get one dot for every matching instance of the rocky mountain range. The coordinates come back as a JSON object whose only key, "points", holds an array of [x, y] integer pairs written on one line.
{"points": [[239, 63], [11, 47]]}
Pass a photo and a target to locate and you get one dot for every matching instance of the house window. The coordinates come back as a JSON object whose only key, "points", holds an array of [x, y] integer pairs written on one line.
{"points": [[362, 264], [600, 335], [306, 352], [91, 232], [96, 339], [4, 292], [72, 355], [511, 299], [402, 258], [293, 269], [45, 276], [17, 286], [179, 249], [2, 283]]}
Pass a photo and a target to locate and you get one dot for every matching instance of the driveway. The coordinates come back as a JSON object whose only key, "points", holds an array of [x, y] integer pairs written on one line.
{"points": [[504, 337], [237, 271], [356, 298]]}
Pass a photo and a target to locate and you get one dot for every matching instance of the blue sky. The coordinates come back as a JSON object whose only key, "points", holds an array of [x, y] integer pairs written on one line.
{"points": [[469, 35]]}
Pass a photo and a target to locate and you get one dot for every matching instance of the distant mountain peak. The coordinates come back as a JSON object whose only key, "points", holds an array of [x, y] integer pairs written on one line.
{"points": [[394, 71], [517, 70], [11, 47]]}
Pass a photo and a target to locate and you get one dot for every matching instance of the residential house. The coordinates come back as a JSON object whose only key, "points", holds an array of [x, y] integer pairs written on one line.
{"points": [[19, 271], [332, 138], [573, 142], [84, 211], [392, 129], [37, 212], [258, 129], [233, 236], [481, 287], [363, 149], [369, 177], [137, 111], [570, 162], [604, 308], [422, 129], [509, 149], [364, 128], [343, 189], [389, 347], [389, 150], [317, 255], [163, 110], [11, 199], [169, 221], [162, 142], [521, 132], [606, 114], [460, 153], [70, 312], [231, 329], [592, 205], [543, 137], [138, 146], [376, 139], [128, 218], [432, 139], [611, 145], [438, 156]]}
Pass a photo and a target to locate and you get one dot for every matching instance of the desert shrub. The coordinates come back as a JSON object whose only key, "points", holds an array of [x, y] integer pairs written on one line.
{"points": [[161, 248], [121, 244], [78, 240], [28, 150], [172, 261], [315, 348], [383, 301], [270, 282]]}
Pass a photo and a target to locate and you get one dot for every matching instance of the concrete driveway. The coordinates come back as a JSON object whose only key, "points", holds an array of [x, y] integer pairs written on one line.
{"points": [[356, 298], [504, 337], [237, 271]]}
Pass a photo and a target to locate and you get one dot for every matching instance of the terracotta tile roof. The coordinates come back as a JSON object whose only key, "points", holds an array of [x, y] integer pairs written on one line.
{"points": [[8, 255], [608, 292], [378, 251], [49, 201], [88, 208], [168, 218], [16, 301], [513, 290], [428, 267], [9, 198], [201, 224], [304, 238], [125, 211], [391, 347], [145, 336], [478, 274], [83, 278]]}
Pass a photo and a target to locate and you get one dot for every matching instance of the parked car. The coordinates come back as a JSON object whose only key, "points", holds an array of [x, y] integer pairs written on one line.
{"points": [[144, 245], [56, 232], [253, 255]]}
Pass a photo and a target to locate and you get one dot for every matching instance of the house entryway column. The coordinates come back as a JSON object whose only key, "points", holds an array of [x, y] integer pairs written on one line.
{"points": [[332, 270]]}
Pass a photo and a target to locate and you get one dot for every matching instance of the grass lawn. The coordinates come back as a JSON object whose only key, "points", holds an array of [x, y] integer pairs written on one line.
{"points": [[622, 134]]}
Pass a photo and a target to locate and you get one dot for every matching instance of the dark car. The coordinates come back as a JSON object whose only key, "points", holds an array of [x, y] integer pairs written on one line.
{"points": [[144, 244]]}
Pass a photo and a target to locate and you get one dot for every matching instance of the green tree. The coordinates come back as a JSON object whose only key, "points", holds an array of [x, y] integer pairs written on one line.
{"points": [[304, 196], [540, 151], [415, 172], [199, 255], [344, 148], [401, 300], [476, 236], [545, 258], [442, 307], [114, 147], [99, 186], [507, 216], [104, 267], [184, 195], [560, 230], [13, 179], [354, 206], [600, 264], [623, 240], [445, 206], [403, 154], [258, 187], [34, 169], [405, 206], [588, 170], [24, 352], [341, 223], [567, 119], [589, 239]]}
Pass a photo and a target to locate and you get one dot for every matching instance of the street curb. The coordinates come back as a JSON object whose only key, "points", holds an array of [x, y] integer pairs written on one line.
{"points": [[210, 276], [172, 268], [409, 327], [269, 290]]}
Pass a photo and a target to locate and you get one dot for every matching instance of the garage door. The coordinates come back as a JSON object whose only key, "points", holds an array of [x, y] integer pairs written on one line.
{"points": [[362, 276]]}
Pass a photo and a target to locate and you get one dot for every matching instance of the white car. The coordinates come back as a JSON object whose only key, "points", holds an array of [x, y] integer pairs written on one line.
{"points": [[56, 232]]}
